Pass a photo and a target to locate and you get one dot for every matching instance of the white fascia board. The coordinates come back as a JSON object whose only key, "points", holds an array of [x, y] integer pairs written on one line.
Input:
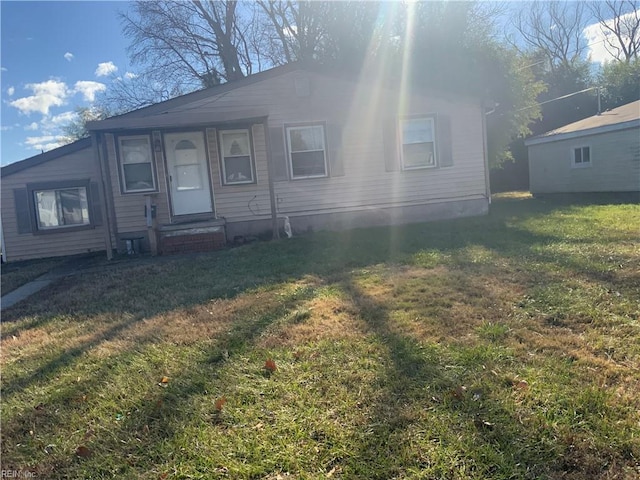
{"points": [[582, 133]]}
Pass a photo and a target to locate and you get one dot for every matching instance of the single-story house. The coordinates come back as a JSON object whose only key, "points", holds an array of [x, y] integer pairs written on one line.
{"points": [[597, 154], [304, 146]]}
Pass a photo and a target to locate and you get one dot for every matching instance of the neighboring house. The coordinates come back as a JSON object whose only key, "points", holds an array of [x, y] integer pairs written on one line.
{"points": [[319, 149], [596, 154]]}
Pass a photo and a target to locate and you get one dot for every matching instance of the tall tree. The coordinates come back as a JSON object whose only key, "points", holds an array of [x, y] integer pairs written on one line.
{"points": [[620, 23], [190, 44], [620, 83]]}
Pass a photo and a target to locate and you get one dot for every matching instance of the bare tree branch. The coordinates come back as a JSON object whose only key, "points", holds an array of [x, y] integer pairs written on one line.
{"points": [[620, 23]]}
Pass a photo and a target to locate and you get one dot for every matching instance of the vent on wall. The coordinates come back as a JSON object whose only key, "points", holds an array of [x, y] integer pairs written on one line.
{"points": [[302, 86]]}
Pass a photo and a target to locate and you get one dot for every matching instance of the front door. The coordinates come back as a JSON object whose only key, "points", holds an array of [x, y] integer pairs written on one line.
{"points": [[188, 173]]}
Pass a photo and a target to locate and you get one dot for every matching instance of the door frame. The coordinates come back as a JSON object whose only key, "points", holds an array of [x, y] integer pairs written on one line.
{"points": [[189, 216]]}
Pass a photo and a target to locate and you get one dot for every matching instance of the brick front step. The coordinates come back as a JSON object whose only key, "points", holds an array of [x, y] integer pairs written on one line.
{"points": [[191, 240]]}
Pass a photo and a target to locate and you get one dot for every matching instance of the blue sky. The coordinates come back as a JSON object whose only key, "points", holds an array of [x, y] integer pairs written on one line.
{"points": [[55, 56]]}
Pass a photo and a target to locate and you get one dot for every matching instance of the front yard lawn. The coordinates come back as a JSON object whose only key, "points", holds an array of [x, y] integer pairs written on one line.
{"points": [[502, 347]]}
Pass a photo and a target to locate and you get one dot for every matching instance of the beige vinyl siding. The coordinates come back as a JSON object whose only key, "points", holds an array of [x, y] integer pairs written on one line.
{"points": [[359, 111], [130, 207], [75, 166], [366, 183], [615, 164], [241, 202]]}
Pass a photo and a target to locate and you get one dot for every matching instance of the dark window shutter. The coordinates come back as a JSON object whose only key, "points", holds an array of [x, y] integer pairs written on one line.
{"points": [[390, 138], [444, 141], [280, 166], [23, 212], [334, 150], [96, 204]]}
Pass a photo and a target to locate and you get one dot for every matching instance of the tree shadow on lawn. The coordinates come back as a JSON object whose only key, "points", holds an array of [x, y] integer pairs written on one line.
{"points": [[477, 429], [186, 282], [156, 412], [422, 378]]}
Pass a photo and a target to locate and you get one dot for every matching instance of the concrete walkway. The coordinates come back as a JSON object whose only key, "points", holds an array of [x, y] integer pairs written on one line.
{"points": [[73, 267], [25, 291], [80, 265]]}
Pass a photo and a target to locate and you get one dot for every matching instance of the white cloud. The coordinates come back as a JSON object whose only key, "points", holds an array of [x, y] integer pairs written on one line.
{"points": [[599, 48], [51, 93], [51, 125], [31, 126], [3, 69], [106, 68], [4, 128], [45, 142], [88, 89], [68, 56], [11, 91], [130, 75]]}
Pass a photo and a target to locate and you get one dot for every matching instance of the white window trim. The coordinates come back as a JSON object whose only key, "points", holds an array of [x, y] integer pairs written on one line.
{"points": [[222, 157], [573, 157], [123, 181], [324, 150], [399, 128]]}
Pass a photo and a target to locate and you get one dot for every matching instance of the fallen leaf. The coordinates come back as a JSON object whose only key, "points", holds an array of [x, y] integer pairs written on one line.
{"points": [[83, 452], [270, 365], [164, 380], [522, 385], [220, 403], [458, 392]]}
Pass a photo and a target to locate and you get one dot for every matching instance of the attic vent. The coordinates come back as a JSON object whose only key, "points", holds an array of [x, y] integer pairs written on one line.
{"points": [[302, 86], [185, 145]]}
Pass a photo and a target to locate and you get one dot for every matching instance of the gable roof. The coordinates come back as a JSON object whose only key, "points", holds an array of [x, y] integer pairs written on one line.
{"points": [[45, 157], [620, 118], [120, 121]]}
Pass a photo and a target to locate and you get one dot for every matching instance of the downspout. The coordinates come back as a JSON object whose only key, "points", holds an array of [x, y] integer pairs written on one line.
{"points": [[103, 193], [486, 151], [272, 192]]}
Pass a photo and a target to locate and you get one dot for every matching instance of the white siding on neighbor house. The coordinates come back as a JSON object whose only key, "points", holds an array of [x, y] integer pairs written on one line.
{"points": [[241, 202], [615, 164], [79, 165]]}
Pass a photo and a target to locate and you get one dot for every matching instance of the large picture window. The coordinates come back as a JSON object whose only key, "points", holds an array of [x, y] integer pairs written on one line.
{"points": [[61, 208], [418, 143], [237, 162], [136, 163], [307, 151]]}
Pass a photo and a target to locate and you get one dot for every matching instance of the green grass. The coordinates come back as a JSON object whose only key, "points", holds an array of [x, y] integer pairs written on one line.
{"points": [[502, 347]]}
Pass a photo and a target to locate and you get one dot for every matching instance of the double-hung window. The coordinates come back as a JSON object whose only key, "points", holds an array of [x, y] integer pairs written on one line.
{"points": [[60, 208], [237, 161], [136, 163], [581, 157], [307, 151], [418, 142]]}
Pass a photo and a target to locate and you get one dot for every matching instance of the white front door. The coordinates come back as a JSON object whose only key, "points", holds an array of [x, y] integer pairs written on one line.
{"points": [[188, 173]]}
